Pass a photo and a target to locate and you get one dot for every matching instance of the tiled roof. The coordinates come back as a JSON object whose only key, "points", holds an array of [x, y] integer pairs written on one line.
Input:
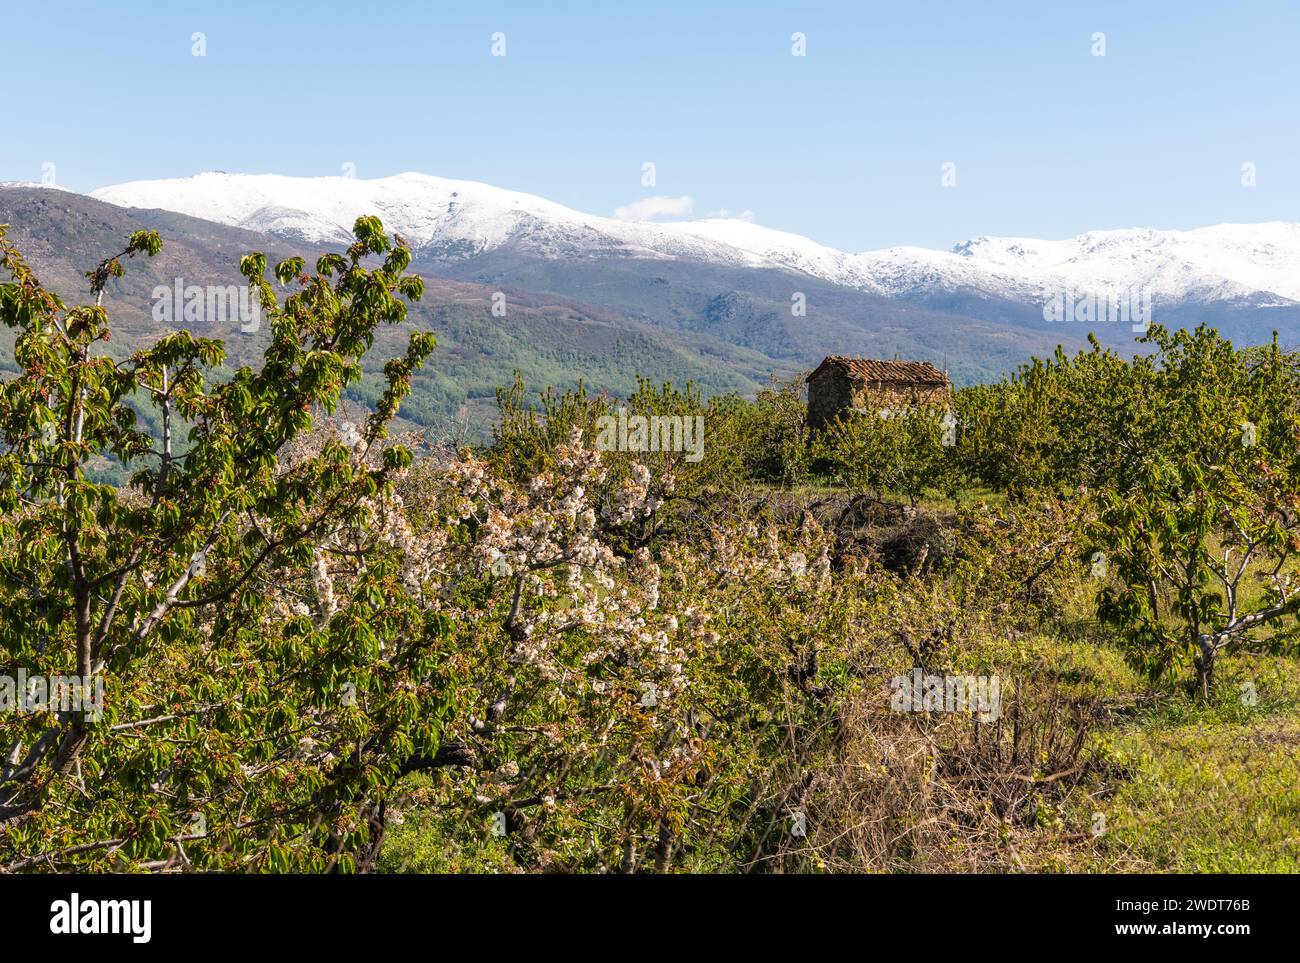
{"points": [[889, 372]]}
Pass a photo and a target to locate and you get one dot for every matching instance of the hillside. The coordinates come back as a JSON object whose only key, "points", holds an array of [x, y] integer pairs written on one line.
{"points": [[550, 339]]}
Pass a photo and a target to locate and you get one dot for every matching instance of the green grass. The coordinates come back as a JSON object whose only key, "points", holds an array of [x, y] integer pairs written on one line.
{"points": [[1201, 787], [416, 840], [1208, 798], [1190, 786]]}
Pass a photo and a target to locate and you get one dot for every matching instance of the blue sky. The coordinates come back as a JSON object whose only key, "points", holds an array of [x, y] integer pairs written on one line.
{"points": [[846, 144]]}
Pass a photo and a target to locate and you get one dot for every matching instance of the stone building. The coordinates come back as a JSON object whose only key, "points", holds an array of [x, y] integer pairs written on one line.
{"points": [[839, 384]]}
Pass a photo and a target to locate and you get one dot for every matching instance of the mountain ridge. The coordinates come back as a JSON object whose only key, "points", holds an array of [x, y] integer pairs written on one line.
{"points": [[548, 338], [1237, 264]]}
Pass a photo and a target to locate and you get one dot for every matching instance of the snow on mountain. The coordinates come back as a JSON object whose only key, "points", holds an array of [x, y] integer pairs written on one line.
{"points": [[30, 184], [443, 217], [1223, 262]]}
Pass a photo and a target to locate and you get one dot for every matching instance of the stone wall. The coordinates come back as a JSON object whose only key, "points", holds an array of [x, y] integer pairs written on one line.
{"points": [[894, 397], [828, 394], [832, 392]]}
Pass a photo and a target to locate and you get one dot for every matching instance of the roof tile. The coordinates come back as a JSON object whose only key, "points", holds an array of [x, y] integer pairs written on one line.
{"points": [[892, 372]]}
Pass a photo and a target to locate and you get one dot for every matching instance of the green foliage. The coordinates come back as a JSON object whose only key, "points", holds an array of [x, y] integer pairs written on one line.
{"points": [[770, 436], [1205, 504], [1191, 451], [1053, 423], [526, 436], [225, 738], [905, 453]]}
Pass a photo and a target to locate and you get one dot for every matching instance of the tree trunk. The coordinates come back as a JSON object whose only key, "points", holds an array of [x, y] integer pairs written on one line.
{"points": [[376, 822], [1205, 671], [664, 848]]}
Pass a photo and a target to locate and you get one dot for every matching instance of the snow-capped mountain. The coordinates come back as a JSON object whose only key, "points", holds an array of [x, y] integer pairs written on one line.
{"points": [[1240, 264], [1226, 262], [440, 216]]}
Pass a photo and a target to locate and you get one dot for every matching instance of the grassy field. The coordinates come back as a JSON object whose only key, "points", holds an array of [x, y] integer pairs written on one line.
{"points": [[1189, 787]]}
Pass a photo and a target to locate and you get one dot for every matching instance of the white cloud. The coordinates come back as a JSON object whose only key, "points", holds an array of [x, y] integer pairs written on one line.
{"points": [[649, 208]]}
